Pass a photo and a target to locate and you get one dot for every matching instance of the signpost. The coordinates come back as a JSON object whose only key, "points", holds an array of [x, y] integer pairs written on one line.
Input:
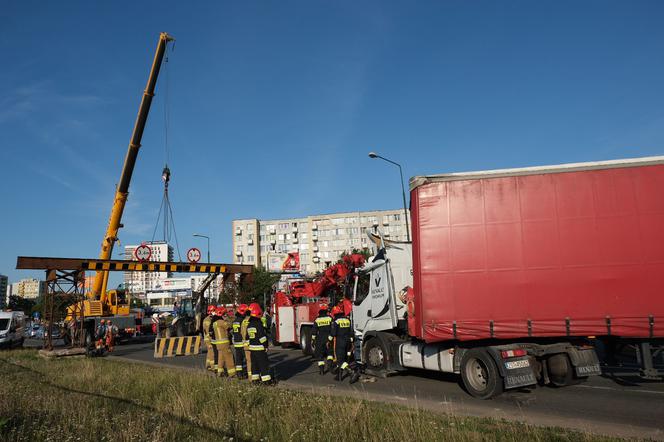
{"points": [[143, 252], [193, 255]]}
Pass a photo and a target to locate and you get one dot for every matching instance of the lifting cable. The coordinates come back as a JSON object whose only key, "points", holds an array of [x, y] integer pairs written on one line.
{"points": [[168, 222]]}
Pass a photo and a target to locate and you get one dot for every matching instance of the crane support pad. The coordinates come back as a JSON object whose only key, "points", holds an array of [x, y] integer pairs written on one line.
{"points": [[180, 346], [38, 263]]}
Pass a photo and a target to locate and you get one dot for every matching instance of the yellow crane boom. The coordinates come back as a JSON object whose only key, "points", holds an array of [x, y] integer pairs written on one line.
{"points": [[122, 190]]}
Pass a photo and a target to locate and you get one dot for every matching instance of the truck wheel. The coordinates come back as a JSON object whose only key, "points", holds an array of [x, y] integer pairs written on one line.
{"points": [[375, 355], [480, 375], [561, 372], [305, 340]]}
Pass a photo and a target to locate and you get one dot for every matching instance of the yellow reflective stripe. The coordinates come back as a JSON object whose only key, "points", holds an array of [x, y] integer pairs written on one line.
{"points": [[238, 345], [263, 339], [256, 347], [180, 344], [171, 345]]}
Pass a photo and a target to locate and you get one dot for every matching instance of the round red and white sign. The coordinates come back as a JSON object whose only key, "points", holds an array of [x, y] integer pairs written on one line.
{"points": [[143, 252], [193, 255]]}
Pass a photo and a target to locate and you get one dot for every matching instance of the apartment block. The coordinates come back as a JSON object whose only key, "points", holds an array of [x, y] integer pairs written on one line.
{"points": [[319, 239], [29, 288]]}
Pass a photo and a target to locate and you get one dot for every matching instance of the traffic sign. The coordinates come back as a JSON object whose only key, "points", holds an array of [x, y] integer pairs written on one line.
{"points": [[193, 255], [143, 252]]}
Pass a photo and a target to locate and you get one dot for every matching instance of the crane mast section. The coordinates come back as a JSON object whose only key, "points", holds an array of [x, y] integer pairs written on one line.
{"points": [[122, 190]]}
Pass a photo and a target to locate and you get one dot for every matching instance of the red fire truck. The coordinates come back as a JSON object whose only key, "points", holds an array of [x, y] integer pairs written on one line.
{"points": [[295, 308]]}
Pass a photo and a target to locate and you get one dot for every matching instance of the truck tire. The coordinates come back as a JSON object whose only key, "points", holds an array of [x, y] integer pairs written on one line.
{"points": [[561, 372], [305, 341], [375, 355], [480, 375]]}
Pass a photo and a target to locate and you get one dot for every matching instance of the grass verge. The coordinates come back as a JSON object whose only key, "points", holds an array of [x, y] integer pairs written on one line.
{"points": [[104, 400]]}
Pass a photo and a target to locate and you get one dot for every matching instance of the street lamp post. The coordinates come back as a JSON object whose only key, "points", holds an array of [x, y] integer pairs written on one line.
{"points": [[403, 191], [208, 245], [209, 290]]}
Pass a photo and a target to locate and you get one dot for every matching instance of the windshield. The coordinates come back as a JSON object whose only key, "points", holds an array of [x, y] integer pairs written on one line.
{"points": [[4, 323]]}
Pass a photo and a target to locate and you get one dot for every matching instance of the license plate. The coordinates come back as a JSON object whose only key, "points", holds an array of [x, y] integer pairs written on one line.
{"points": [[517, 364]]}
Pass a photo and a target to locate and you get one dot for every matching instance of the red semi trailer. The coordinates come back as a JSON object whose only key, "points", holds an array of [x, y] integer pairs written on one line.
{"points": [[512, 274]]}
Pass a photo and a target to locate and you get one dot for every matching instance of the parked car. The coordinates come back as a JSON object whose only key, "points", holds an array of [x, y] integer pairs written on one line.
{"points": [[12, 326]]}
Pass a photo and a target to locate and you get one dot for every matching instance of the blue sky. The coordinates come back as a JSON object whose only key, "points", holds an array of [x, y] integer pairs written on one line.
{"points": [[289, 97]]}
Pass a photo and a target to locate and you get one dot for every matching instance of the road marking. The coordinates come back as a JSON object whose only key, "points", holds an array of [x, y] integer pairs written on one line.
{"points": [[617, 389]]}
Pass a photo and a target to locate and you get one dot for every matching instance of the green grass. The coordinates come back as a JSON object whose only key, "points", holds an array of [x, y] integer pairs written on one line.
{"points": [[100, 399]]}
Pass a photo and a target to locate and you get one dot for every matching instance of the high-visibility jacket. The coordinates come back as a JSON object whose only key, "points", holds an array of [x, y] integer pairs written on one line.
{"points": [[206, 328], [322, 327], [221, 327], [341, 330], [256, 334], [238, 339], [243, 330]]}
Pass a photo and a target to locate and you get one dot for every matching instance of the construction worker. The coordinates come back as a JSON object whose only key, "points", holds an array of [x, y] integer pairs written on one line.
{"points": [[245, 340], [258, 346], [207, 322], [238, 340], [321, 334], [342, 337], [223, 344]]}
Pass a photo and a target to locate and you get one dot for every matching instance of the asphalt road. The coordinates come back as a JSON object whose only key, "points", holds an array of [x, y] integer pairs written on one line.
{"points": [[620, 404]]}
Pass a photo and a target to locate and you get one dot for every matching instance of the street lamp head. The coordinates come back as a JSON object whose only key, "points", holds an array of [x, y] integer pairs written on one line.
{"points": [[373, 155]]}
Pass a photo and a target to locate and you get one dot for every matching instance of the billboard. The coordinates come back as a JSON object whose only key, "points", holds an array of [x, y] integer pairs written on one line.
{"points": [[275, 261], [283, 262]]}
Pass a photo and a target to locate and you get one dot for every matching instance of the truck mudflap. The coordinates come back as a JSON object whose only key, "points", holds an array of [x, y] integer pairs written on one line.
{"points": [[518, 372], [584, 361]]}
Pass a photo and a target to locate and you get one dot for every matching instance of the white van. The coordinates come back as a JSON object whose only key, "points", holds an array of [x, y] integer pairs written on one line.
{"points": [[12, 326]]}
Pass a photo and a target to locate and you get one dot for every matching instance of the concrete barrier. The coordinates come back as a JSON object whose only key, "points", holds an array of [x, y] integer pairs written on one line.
{"points": [[178, 346]]}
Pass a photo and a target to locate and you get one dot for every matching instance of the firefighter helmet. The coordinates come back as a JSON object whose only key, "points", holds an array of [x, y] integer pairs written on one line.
{"points": [[210, 309], [242, 309], [336, 310], [221, 310], [255, 310]]}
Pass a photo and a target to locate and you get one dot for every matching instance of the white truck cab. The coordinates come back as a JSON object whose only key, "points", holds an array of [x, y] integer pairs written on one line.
{"points": [[12, 326]]}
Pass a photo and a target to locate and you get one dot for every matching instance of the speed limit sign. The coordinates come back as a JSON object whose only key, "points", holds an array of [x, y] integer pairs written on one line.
{"points": [[143, 252], [193, 255]]}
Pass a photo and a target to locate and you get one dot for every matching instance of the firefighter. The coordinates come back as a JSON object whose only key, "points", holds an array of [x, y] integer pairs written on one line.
{"points": [[238, 340], [321, 334], [341, 335], [258, 346], [245, 340], [223, 344], [207, 322]]}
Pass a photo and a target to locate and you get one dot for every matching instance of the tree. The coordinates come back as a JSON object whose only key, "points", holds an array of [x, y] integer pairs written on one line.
{"points": [[19, 303], [262, 282]]}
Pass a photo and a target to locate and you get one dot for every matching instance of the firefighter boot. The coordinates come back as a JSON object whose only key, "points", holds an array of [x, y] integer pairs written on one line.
{"points": [[338, 375], [321, 367]]}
